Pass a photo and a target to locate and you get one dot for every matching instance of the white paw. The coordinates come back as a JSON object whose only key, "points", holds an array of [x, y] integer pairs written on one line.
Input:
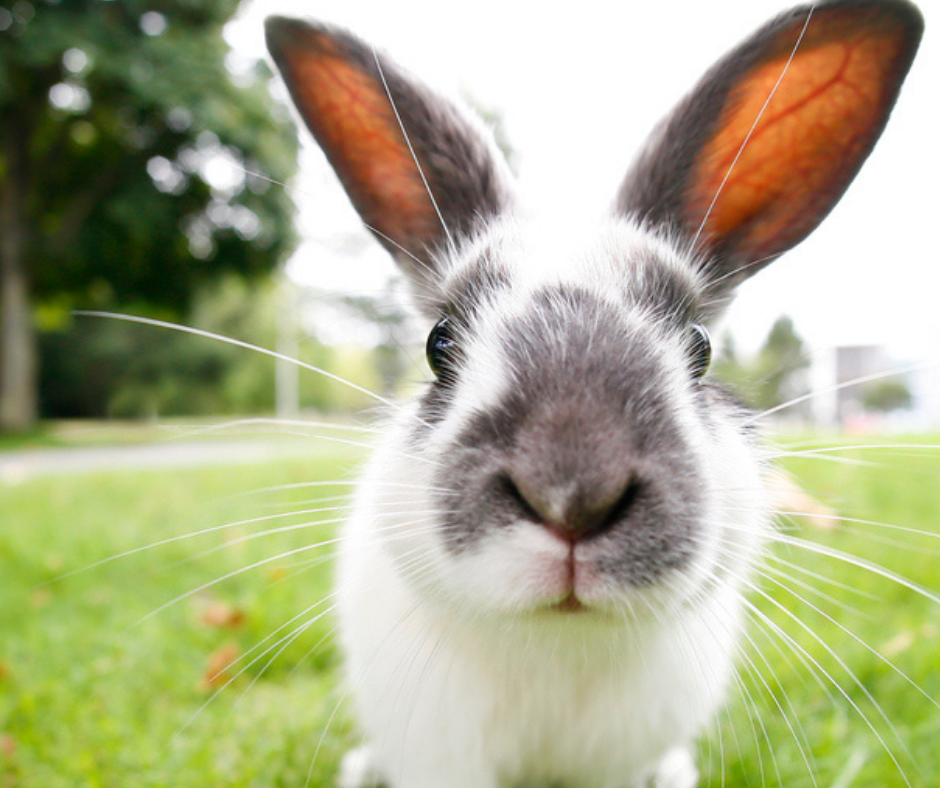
{"points": [[358, 770], [676, 770]]}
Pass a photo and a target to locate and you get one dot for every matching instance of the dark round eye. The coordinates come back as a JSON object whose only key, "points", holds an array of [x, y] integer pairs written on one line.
{"points": [[700, 349], [440, 347]]}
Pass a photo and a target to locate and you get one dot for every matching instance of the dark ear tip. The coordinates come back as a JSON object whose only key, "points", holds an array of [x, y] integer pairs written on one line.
{"points": [[277, 30], [910, 14], [284, 32], [903, 12]]}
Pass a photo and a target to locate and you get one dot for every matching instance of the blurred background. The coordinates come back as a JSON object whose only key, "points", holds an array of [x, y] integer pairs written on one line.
{"points": [[149, 167]]}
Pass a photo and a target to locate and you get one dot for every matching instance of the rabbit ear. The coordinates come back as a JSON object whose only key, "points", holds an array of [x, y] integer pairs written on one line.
{"points": [[760, 152], [419, 172]]}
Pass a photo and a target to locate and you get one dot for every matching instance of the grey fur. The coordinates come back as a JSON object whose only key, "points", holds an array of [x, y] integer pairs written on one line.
{"points": [[589, 418], [568, 458]]}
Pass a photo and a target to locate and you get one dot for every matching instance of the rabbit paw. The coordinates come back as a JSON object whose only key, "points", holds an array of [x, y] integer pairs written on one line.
{"points": [[358, 770], [676, 770]]}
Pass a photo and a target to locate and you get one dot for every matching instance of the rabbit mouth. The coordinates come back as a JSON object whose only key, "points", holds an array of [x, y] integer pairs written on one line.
{"points": [[569, 605]]}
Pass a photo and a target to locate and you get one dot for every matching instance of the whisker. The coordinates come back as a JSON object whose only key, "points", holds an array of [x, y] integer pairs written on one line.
{"points": [[880, 657], [148, 321], [838, 687], [753, 128], [856, 561], [838, 387], [790, 718], [296, 632], [411, 150]]}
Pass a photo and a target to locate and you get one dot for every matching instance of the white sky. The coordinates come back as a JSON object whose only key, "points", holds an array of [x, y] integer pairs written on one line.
{"points": [[579, 89]]}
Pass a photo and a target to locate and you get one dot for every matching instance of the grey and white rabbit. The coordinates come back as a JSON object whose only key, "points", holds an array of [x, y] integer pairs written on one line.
{"points": [[541, 583]]}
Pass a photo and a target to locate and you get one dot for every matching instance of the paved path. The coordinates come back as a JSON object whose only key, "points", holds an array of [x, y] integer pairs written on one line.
{"points": [[22, 464]]}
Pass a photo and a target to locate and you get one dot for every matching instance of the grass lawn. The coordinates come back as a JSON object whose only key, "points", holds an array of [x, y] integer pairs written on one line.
{"points": [[104, 683]]}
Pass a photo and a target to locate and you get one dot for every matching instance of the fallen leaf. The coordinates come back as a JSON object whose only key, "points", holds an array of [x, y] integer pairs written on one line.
{"points": [[222, 615], [789, 499], [217, 673]]}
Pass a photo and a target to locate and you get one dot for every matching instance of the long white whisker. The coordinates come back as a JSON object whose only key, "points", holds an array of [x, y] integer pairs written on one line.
{"points": [[838, 387], [883, 659], [411, 150], [148, 321], [871, 726], [753, 128]]}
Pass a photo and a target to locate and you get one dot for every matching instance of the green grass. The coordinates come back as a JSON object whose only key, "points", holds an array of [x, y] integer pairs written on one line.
{"points": [[849, 736], [83, 433], [56, 434], [96, 689], [100, 679]]}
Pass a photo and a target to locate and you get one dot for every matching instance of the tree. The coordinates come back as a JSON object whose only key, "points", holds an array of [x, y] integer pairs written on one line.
{"points": [[133, 166], [775, 375], [886, 396], [780, 364]]}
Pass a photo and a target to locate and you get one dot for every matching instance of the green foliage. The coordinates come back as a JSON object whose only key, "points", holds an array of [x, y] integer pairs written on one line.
{"points": [[140, 149], [134, 167], [773, 376], [99, 681], [886, 396], [98, 367]]}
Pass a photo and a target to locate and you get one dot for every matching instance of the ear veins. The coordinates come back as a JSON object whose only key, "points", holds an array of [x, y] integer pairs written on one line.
{"points": [[354, 125], [824, 115]]}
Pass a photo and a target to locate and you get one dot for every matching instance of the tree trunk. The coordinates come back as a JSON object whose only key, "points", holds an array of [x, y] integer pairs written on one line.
{"points": [[19, 368]]}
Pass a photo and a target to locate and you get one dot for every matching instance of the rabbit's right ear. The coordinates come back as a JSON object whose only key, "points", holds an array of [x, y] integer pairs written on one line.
{"points": [[420, 173], [759, 153]]}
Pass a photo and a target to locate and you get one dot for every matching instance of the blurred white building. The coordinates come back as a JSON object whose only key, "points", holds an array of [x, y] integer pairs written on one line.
{"points": [[841, 377]]}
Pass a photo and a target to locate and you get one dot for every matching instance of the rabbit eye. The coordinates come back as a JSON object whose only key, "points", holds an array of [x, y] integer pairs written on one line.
{"points": [[700, 349], [440, 347]]}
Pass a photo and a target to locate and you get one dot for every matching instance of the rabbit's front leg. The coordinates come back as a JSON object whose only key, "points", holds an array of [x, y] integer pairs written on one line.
{"points": [[360, 770], [676, 770]]}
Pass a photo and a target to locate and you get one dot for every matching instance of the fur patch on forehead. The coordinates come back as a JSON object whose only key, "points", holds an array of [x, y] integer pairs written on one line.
{"points": [[623, 265]]}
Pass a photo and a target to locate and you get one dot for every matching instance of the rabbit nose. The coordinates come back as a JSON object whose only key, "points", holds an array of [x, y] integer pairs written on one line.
{"points": [[573, 509], [575, 467]]}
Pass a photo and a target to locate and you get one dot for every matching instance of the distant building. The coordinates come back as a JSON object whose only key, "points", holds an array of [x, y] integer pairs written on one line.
{"points": [[841, 376], [856, 365]]}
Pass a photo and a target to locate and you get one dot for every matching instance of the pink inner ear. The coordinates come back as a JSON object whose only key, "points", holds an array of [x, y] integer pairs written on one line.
{"points": [[351, 117], [812, 137]]}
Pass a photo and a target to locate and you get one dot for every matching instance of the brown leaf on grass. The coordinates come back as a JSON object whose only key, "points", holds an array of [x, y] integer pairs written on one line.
{"points": [[7, 747], [789, 499], [40, 598], [218, 667], [222, 615], [5, 671]]}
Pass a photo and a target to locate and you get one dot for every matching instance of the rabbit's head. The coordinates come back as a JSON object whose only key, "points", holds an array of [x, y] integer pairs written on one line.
{"points": [[569, 454]]}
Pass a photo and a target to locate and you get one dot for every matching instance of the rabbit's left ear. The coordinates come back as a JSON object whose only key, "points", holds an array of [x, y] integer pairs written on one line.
{"points": [[760, 152], [420, 173]]}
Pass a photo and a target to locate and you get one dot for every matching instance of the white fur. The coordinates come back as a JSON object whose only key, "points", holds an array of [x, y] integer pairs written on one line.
{"points": [[462, 674], [514, 654]]}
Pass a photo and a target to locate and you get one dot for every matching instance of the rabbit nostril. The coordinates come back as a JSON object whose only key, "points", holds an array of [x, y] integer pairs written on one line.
{"points": [[572, 511], [508, 487], [620, 510]]}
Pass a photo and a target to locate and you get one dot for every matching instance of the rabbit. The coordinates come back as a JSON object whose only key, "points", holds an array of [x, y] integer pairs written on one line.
{"points": [[542, 580]]}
